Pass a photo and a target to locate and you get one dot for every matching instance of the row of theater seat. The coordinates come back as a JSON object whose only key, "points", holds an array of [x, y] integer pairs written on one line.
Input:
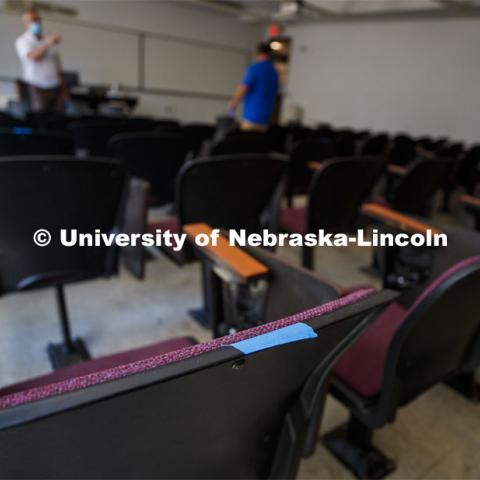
{"points": [[122, 410], [401, 149], [302, 144], [248, 403], [410, 188], [309, 170], [99, 139], [91, 137]]}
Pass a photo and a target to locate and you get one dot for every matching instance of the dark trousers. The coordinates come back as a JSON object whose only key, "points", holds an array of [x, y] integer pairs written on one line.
{"points": [[46, 99]]}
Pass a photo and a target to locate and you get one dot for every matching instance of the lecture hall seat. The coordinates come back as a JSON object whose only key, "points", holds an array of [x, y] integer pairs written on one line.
{"points": [[198, 134], [232, 191], [336, 193], [472, 206], [153, 157], [376, 145], [21, 141], [92, 135], [245, 287], [299, 175], [239, 143], [415, 185], [468, 174], [55, 193], [345, 143], [161, 403], [403, 150], [48, 120], [406, 351], [407, 268]]}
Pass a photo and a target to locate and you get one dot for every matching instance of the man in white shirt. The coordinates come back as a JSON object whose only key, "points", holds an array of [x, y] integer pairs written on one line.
{"points": [[41, 66]]}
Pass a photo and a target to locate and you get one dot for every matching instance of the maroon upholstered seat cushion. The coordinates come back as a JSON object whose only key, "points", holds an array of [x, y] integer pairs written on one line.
{"points": [[99, 364], [171, 224], [46, 390], [361, 367], [383, 202], [293, 220]]}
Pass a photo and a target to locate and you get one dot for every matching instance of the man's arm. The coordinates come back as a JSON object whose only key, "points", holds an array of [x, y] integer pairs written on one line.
{"points": [[240, 92], [38, 53]]}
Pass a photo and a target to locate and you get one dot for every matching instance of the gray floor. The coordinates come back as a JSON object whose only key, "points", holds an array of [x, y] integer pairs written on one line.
{"points": [[435, 437]]}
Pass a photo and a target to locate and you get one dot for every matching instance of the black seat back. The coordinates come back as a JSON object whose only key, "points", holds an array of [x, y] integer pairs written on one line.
{"points": [[164, 125], [197, 134], [298, 133], [153, 157], [55, 193], [403, 150], [235, 407], [278, 138], [345, 143], [241, 143], [138, 124], [233, 191], [289, 289], [8, 121], [453, 150], [26, 141], [299, 174], [438, 333], [338, 190], [426, 143], [415, 190], [469, 169], [376, 145], [48, 120], [92, 136], [5, 119]]}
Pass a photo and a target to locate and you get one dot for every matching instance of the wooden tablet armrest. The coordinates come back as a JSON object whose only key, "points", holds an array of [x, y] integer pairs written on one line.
{"points": [[396, 219], [314, 165], [425, 153], [470, 201], [397, 170], [280, 156], [238, 262]]}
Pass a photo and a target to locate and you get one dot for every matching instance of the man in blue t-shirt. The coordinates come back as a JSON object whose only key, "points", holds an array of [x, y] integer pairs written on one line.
{"points": [[258, 92]]}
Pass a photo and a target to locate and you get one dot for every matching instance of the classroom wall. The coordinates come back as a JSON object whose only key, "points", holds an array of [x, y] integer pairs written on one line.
{"points": [[177, 19], [169, 17], [417, 76]]}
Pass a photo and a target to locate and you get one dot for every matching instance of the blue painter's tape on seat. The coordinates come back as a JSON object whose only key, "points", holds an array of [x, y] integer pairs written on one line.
{"points": [[22, 131], [292, 333]]}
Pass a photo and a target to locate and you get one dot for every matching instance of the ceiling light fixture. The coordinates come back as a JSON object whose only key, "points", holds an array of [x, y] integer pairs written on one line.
{"points": [[276, 45]]}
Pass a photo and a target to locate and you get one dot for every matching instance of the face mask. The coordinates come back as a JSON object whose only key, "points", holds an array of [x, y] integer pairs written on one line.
{"points": [[36, 28]]}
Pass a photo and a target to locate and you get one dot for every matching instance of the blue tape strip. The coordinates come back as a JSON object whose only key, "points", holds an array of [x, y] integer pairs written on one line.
{"points": [[292, 333], [22, 131]]}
